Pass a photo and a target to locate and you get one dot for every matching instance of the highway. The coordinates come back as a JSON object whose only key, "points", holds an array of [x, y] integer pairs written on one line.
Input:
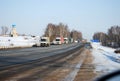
{"points": [[27, 63], [16, 56]]}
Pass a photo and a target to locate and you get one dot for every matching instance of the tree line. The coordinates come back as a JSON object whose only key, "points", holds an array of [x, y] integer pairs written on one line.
{"points": [[61, 30], [111, 38], [52, 31]]}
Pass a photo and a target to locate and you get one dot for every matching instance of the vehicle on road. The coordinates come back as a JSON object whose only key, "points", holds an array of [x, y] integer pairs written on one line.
{"points": [[66, 40], [44, 42], [59, 41]]}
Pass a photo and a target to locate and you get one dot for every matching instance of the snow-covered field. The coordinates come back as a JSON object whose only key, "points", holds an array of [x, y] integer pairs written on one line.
{"points": [[20, 41], [105, 59]]}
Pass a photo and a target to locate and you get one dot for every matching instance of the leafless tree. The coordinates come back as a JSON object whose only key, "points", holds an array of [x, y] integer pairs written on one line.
{"points": [[64, 30], [53, 30], [112, 38], [114, 35], [102, 37], [4, 30], [76, 35], [50, 31], [60, 30]]}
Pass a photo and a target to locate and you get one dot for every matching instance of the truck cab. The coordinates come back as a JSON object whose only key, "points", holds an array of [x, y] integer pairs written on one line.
{"points": [[66, 40], [44, 42], [59, 40]]}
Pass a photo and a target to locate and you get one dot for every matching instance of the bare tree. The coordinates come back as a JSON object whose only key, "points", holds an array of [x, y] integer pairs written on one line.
{"points": [[112, 38], [98, 36], [114, 35], [61, 30], [49, 32], [76, 35], [64, 31], [4, 30]]}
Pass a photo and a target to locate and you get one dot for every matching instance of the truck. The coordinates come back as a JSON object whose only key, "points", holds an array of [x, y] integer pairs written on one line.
{"points": [[59, 40], [44, 41], [66, 40]]}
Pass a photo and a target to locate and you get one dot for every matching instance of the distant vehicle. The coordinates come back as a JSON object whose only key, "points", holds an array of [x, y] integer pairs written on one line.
{"points": [[117, 50], [59, 40], [44, 41], [37, 41], [66, 40], [76, 41], [71, 40], [88, 45]]}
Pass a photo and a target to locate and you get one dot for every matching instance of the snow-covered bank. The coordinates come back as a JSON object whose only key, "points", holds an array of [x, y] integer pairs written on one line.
{"points": [[20, 41], [105, 59]]}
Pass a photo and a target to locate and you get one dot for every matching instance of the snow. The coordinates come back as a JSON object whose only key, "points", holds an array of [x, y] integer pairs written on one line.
{"points": [[105, 59], [20, 41]]}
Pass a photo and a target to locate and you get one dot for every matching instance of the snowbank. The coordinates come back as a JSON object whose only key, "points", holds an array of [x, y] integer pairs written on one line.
{"points": [[105, 59], [13, 42]]}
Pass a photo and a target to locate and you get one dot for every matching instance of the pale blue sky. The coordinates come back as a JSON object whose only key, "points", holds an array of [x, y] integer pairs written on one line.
{"points": [[87, 16]]}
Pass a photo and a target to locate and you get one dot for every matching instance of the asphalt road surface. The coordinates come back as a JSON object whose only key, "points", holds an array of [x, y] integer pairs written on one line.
{"points": [[29, 64], [17, 56]]}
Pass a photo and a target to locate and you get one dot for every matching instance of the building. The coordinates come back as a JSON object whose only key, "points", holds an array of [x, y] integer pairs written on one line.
{"points": [[13, 32]]}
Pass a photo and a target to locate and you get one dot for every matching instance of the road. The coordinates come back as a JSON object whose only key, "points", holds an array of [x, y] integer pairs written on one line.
{"points": [[34, 64], [16, 56]]}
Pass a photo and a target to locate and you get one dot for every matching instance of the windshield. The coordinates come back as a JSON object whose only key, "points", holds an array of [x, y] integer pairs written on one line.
{"points": [[65, 39], [59, 40], [43, 39]]}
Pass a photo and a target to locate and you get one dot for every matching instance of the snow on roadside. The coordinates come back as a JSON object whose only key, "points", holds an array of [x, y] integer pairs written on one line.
{"points": [[20, 41], [105, 59]]}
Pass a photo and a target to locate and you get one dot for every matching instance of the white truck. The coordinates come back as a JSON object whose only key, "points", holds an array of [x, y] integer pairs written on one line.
{"points": [[44, 42], [59, 41], [66, 40]]}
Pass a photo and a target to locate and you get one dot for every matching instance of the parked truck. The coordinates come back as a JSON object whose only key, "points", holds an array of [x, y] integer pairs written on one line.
{"points": [[44, 42]]}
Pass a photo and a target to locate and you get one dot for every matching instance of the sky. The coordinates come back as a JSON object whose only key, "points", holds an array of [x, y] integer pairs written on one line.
{"points": [[87, 16]]}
